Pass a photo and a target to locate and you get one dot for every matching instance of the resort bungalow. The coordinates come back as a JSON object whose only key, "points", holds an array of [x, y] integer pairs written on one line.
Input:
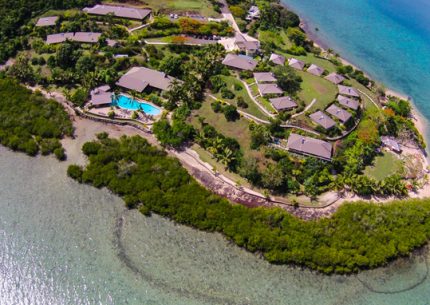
{"points": [[348, 102], [269, 89], [277, 59], [296, 63], [339, 113], [315, 70], [83, 37], [391, 144], [101, 97], [138, 78], [264, 77], [309, 147], [239, 62], [47, 21], [348, 91], [323, 120], [247, 45], [119, 11], [335, 78], [283, 103], [59, 38]]}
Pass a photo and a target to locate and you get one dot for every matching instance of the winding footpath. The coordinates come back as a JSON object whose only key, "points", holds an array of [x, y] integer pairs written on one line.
{"points": [[200, 170]]}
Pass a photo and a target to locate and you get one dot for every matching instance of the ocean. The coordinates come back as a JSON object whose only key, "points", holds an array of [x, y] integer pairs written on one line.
{"points": [[390, 40], [65, 243]]}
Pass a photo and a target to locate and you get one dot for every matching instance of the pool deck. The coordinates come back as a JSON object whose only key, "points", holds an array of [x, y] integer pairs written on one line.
{"points": [[123, 113]]}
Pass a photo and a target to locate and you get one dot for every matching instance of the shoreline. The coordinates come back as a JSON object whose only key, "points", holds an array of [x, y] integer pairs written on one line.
{"points": [[420, 122]]}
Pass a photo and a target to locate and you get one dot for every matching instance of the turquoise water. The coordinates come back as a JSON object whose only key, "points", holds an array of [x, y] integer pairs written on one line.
{"points": [[63, 243], [66, 243], [131, 104], [389, 39]]}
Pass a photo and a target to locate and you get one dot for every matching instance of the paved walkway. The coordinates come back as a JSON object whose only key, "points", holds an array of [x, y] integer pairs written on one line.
{"points": [[262, 108], [306, 109], [366, 95]]}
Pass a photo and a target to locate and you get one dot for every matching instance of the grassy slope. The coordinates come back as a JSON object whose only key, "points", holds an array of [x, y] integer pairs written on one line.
{"points": [[384, 166], [238, 129], [316, 87]]}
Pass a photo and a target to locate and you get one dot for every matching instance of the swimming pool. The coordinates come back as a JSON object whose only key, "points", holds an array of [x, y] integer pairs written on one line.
{"points": [[126, 102]]}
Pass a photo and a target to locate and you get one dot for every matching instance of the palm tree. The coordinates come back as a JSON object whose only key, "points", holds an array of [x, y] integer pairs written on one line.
{"points": [[226, 157], [338, 184]]}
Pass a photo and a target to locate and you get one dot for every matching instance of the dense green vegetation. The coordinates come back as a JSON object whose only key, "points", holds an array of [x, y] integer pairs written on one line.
{"points": [[358, 236], [31, 123]]}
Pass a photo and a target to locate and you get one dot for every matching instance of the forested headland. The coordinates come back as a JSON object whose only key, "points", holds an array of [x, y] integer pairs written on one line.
{"points": [[358, 236], [31, 123]]}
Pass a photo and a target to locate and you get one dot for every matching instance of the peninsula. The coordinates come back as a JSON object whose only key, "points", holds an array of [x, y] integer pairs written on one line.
{"points": [[236, 99]]}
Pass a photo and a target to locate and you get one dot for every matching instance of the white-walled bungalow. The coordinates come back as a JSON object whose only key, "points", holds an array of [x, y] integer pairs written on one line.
{"points": [[240, 62], [118, 11], [139, 78], [339, 113], [315, 70], [309, 147], [246, 44], [253, 13], [335, 78], [348, 91], [391, 143], [283, 103], [323, 120], [296, 63]]}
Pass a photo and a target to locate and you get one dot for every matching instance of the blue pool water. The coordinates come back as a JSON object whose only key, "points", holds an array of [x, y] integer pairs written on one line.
{"points": [[389, 39], [131, 104]]}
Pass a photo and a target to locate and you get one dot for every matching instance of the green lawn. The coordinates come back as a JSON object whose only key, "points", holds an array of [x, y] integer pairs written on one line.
{"points": [[316, 87], [202, 7], [238, 130], [232, 82], [384, 165]]}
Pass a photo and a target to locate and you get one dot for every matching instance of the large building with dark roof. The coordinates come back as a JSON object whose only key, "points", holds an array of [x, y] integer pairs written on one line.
{"points": [[138, 78], [240, 62], [118, 11], [309, 147]]}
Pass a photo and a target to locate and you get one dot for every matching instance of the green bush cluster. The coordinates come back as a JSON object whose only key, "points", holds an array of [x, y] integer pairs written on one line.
{"points": [[29, 122], [358, 236]]}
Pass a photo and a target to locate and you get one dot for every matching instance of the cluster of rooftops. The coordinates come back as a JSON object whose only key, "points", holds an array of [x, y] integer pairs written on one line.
{"points": [[266, 84], [92, 37], [139, 78]]}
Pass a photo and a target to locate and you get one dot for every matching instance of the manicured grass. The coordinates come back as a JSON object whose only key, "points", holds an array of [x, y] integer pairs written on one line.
{"points": [[238, 129], [383, 166], [202, 7], [318, 88], [233, 82]]}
